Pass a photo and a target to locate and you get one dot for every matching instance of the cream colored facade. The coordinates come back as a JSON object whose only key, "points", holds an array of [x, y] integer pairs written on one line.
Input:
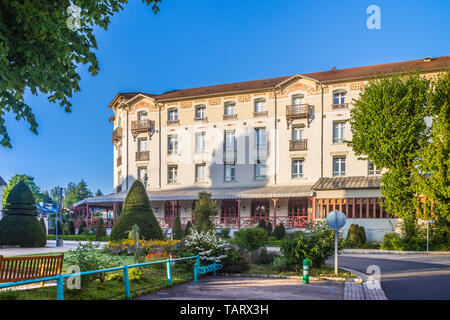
{"points": [[317, 151]]}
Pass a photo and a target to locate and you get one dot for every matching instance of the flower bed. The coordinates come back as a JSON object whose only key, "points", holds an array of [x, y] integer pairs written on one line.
{"points": [[127, 247]]}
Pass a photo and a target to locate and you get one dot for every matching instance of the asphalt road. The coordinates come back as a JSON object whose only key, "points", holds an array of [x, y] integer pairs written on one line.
{"points": [[405, 280]]}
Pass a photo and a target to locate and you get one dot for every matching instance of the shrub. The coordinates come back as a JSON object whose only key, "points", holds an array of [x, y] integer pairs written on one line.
{"points": [[19, 225], [356, 236], [225, 233], [187, 229], [262, 224], [134, 274], [280, 264], [268, 257], [251, 239], [60, 228], [82, 227], [101, 230], [205, 210], [177, 229], [269, 229], [207, 245], [44, 232], [71, 227], [234, 263], [137, 210], [392, 241], [279, 232], [315, 244]]}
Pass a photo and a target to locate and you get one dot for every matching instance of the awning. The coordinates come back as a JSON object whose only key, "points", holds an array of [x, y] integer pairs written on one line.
{"points": [[339, 183], [216, 194]]}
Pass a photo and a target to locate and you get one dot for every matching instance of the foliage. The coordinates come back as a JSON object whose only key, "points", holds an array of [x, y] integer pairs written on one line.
{"points": [[262, 224], [316, 243], [134, 235], [76, 192], [187, 228], [279, 231], [412, 236], [225, 233], [19, 225], [44, 57], [392, 241], [59, 229], [267, 257], [234, 263], [137, 210], [99, 193], [44, 232], [87, 257], [356, 236], [204, 212], [82, 227], [21, 177], [101, 229], [281, 264], [72, 227], [251, 239], [269, 229], [207, 245], [128, 247], [77, 237], [134, 274], [177, 229]]}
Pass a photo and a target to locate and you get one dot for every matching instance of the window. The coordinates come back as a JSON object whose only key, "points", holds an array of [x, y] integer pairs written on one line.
{"points": [[142, 115], [339, 97], [260, 105], [172, 174], [230, 140], [200, 172], [338, 131], [200, 112], [297, 100], [260, 209], [372, 168], [141, 173], [260, 138], [229, 109], [260, 170], [119, 178], [142, 144], [297, 133], [230, 171], [297, 168], [338, 166], [200, 142], [173, 115], [172, 144]]}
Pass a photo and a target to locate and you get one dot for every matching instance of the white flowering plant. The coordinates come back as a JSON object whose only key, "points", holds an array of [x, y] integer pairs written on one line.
{"points": [[207, 245]]}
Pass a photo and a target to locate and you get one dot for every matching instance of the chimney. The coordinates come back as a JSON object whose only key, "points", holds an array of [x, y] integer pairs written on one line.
{"points": [[333, 69]]}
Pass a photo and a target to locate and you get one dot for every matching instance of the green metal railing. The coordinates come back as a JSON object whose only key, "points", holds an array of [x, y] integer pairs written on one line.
{"points": [[126, 282]]}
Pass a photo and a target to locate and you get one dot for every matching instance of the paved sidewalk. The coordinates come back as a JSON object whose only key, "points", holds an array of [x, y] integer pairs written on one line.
{"points": [[366, 288], [50, 248]]}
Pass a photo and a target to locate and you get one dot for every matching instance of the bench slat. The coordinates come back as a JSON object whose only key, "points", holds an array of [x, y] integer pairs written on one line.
{"points": [[26, 268]]}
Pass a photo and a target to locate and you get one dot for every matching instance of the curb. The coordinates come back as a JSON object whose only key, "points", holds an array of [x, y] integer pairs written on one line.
{"points": [[278, 276], [364, 291], [377, 251]]}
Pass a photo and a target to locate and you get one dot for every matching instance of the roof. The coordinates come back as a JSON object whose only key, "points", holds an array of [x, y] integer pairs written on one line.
{"points": [[338, 183], [2, 182], [216, 193], [434, 64]]}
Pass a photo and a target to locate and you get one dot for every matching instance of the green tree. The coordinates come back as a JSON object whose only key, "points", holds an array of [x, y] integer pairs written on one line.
{"points": [[76, 192], [101, 230], [252, 238], [71, 227], [187, 228], [177, 229], [44, 57], [99, 193], [20, 225], [137, 210], [388, 126], [29, 180], [44, 232], [46, 198], [82, 227], [204, 212]]}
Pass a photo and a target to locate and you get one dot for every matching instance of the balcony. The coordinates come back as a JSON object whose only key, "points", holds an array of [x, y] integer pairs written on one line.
{"points": [[173, 122], [257, 114], [230, 117], [298, 145], [201, 119], [297, 111], [119, 161], [142, 126], [337, 106], [117, 135], [142, 155]]}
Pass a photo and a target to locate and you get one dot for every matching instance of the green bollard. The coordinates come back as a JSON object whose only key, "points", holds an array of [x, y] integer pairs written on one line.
{"points": [[305, 271]]}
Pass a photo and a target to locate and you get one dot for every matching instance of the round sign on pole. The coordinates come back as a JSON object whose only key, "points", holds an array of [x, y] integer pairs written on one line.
{"points": [[336, 219]]}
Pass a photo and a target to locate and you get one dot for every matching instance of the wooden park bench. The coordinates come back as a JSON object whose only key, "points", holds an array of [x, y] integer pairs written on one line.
{"points": [[31, 267]]}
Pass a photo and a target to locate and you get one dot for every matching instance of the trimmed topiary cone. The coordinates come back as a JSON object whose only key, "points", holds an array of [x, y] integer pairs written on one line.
{"points": [[20, 225], [137, 210]]}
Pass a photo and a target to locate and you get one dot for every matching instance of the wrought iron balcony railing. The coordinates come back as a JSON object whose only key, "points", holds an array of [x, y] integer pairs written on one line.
{"points": [[297, 145], [142, 155], [117, 135]]}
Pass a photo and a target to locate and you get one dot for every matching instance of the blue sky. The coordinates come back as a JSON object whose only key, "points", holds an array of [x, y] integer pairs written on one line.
{"points": [[203, 42]]}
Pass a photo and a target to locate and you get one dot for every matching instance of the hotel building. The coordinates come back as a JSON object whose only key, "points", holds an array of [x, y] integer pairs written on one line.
{"points": [[272, 149]]}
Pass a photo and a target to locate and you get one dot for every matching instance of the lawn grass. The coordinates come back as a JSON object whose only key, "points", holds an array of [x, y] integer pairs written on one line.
{"points": [[155, 278], [324, 271]]}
